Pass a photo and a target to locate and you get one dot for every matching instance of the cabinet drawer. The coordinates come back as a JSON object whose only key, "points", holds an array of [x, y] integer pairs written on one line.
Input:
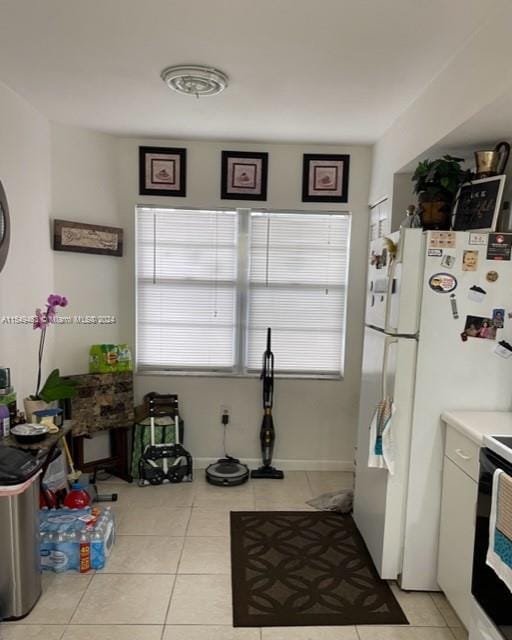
{"points": [[456, 538], [463, 452]]}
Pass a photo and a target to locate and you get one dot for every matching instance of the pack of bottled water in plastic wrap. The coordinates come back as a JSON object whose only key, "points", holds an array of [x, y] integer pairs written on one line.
{"points": [[76, 539]]}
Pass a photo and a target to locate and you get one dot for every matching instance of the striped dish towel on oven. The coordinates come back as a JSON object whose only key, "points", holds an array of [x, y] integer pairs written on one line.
{"points": [[499, 554]]}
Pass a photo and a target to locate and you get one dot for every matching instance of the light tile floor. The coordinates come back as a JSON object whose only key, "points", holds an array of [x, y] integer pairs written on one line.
{"points": [[168, 577]]}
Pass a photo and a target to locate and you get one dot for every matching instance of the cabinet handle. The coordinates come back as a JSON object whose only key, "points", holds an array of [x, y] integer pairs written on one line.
{"points": [[460, 453]]}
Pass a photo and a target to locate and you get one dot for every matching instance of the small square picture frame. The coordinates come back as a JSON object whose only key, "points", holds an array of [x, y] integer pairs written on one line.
{"points": [[162, 171], [244, 175], [325, 177]]}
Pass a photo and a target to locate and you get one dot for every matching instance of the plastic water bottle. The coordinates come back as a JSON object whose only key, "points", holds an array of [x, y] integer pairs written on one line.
{"points": [[97, 549], [63, 551], [109, 533], [45, 550], [111, 529], [73, 540], [108, 514], [85, 552]]}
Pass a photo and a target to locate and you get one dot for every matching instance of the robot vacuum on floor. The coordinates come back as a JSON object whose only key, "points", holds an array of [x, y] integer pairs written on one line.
{"points": [[227, 472]]}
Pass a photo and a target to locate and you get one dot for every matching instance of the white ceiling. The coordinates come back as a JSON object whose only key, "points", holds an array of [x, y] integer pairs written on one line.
{"points": [[324, 71]]}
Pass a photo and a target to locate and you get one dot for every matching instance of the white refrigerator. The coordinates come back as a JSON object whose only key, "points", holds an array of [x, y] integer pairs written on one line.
{"points": [[435, 317]]}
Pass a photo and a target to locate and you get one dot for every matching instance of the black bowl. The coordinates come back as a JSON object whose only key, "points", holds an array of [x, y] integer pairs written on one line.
{"points": [[29, 438]]}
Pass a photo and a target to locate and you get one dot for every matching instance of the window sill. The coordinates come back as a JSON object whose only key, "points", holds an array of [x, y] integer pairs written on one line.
{"points": [[223, 374]]}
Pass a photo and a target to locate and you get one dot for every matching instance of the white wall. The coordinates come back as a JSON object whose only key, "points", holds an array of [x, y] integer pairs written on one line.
{"points": [[474, 78], [84, 189], [315, 419], [27, 277]]}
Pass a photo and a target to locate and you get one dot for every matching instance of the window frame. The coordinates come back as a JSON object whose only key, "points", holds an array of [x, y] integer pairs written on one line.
{"points": [[240, 369]]}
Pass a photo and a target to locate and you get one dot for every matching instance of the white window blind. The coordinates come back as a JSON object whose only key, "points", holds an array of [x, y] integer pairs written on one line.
{"points": [[297, 286], [209, 283], [186, 289]]}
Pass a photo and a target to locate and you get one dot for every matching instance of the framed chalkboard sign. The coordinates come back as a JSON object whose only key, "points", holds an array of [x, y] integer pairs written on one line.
{"points": [[477, 204]]}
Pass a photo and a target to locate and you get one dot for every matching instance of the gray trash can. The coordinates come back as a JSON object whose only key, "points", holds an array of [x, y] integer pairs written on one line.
{"points": [[20, 573]]}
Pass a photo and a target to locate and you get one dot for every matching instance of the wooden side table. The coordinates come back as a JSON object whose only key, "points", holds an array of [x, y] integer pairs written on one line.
{"points": [[117, 463], [104, 402]]}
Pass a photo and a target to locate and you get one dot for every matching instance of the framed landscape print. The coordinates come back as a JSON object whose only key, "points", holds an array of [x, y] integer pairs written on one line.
{"points": [[162, 171], [244, 175], [325, 178], [81, 237]]}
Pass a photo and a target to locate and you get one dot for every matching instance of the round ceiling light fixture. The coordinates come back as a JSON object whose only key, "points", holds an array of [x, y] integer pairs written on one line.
{"points": [[195, 79]]}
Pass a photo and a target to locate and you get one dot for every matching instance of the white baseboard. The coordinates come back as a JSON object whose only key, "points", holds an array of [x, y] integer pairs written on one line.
{"points": [[288, 465]]}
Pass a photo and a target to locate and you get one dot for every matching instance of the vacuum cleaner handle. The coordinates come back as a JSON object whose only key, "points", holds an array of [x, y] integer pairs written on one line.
{"points": [[267, 354], [267, 374], [268, 383]]}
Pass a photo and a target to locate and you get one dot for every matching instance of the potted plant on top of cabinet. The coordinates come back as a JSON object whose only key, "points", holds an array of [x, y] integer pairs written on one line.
{"points": [[436, 183]]}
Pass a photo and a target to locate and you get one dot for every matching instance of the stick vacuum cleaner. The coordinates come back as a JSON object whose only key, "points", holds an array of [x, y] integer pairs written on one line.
{"points": [[267, 432]]}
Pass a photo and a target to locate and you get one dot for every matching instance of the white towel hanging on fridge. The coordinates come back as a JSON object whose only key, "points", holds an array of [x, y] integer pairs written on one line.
{"points": [[382, 451]]}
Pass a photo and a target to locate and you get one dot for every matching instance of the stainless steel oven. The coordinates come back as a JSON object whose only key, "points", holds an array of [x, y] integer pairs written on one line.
{"points": [[493, 596]]}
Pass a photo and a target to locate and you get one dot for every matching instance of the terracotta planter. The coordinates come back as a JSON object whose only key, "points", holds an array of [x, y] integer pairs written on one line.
{"points": [[35, 405], [435, 214]]}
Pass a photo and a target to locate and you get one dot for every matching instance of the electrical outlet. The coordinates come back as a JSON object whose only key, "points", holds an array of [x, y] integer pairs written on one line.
{"points": [[225, 409]]}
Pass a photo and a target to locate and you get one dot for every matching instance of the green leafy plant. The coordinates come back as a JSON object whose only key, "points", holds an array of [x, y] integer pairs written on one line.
{"points": [[440, 179], [57, 388]]}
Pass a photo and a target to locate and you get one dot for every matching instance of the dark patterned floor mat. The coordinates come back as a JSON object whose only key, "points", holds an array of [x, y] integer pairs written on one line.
{"points": [[305, 568]]}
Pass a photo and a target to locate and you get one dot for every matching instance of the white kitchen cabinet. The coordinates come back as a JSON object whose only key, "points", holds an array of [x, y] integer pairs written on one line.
{"points": [[457, 532]]}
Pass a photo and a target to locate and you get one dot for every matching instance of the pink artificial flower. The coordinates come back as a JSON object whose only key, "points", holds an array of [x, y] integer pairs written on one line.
{"points": [[50, 315], [54, 300], [40, 321], [43, 318]]}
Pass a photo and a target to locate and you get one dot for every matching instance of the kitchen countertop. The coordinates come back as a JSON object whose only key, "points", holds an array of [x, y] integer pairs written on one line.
{"points": [[47, 443], [476, 424]]}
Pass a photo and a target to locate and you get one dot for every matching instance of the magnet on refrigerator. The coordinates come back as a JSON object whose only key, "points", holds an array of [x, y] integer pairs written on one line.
{"points": [[470, 260], [498, 318], [503, 349], [492, 276], [476, 293]]}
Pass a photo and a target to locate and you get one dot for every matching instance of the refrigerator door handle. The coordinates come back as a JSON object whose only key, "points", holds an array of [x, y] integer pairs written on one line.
{"points": [[389, 340], [389, 293]]}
